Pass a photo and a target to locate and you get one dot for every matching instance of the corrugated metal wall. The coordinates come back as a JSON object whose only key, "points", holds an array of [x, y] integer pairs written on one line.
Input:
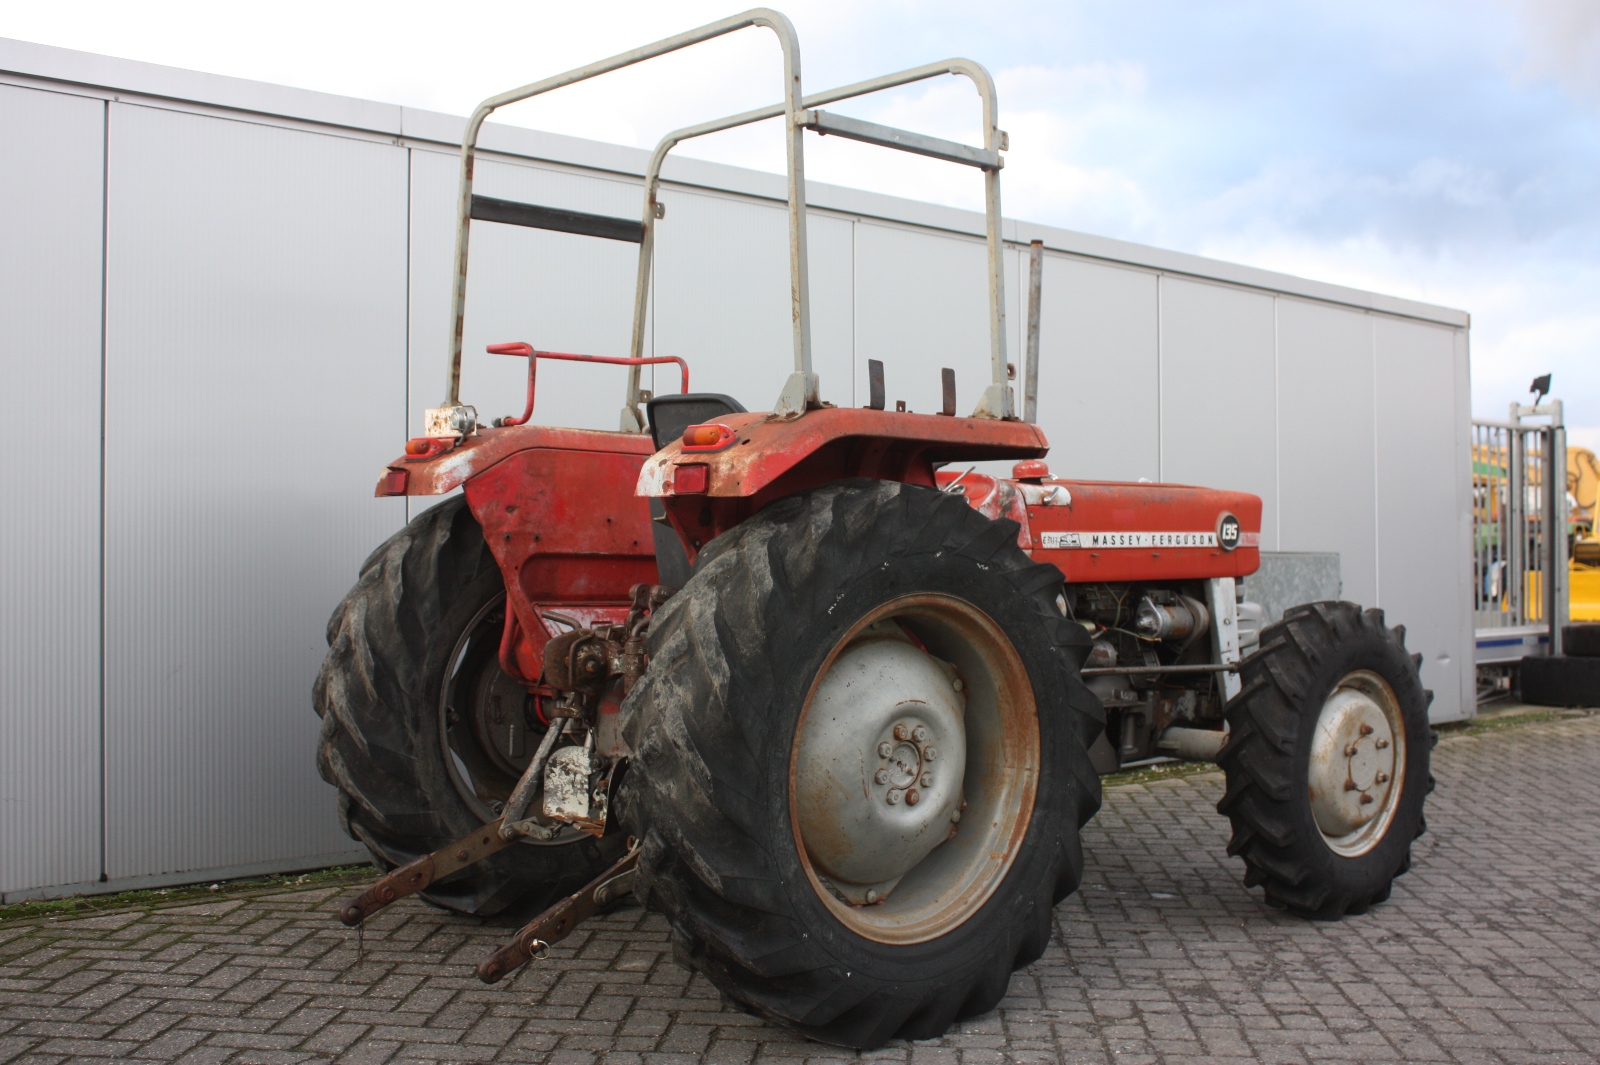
{"points": [[276, 303], [255, 372], [51, 200]]}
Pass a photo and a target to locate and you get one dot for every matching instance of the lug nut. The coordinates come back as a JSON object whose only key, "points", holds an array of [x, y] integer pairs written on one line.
{"points": [[1383, 778], [927, 780], [956, 684], [894, 798], [885, 749], [1350, 751], [955, 817], [872, 896], [929, 753], [1349, 785], [1365, 798], [913, 797], [901, 732], [1366, 730], [881, 777], [919, 734], [1381, 744]]}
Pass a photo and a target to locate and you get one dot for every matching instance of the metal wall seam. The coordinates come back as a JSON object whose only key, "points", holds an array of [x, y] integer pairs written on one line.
{"points": [[1161, 376], [1277, 423], [1377, 500], [100, 629]]}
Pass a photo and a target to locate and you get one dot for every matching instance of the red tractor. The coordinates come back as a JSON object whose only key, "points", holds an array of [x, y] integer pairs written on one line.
{"points": [[811, 686]]}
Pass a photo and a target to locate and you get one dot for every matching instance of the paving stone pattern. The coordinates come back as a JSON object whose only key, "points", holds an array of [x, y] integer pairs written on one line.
{"points": [[1489, 951]]}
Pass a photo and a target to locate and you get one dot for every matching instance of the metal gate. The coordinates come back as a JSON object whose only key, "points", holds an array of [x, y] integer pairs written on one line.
{"points": [[1519, 533]]}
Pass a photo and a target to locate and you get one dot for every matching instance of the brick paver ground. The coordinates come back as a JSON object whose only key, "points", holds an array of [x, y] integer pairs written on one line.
{"points": [[1489, 951]]}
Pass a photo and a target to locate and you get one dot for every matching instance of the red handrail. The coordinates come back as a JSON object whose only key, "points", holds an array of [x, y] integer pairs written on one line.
{"points": [[526, 351]]}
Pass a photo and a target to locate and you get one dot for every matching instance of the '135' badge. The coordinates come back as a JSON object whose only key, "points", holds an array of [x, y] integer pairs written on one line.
{"points": [[1228, 534]]}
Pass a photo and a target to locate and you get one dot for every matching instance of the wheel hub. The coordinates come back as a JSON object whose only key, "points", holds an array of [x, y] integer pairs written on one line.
{"points": [[1357, 758], [880, 763]]}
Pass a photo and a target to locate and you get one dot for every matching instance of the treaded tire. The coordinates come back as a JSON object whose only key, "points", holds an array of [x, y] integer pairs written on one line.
{"points": [[1271, 724], [1560, 681], [1581, 640], [712, 723], [389, 644]]}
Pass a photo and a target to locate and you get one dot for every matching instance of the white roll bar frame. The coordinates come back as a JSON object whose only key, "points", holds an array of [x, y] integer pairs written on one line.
{"points": [[801, 389], [800, 392], [760, 16]]}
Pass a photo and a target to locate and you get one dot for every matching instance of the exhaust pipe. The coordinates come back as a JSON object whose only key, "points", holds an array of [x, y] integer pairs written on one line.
{"points": [[1192, 744]]}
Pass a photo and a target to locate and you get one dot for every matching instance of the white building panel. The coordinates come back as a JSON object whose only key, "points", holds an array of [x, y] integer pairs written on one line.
{"points": [[255, 379], [1218, 392], [1098, 357], [1326, 439], [51, 199], [921, 305], [1420, 466]]}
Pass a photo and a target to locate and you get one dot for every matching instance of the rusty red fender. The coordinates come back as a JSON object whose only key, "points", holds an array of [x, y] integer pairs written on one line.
{"points": [[766, 456], [447, 465]]}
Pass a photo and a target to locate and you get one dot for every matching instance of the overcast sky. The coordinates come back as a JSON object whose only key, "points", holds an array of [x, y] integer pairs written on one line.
{"points": [[1448, 152]]}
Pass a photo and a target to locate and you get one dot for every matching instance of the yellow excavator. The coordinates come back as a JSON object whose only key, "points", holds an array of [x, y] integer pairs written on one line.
{"points": [[1489, 465]]}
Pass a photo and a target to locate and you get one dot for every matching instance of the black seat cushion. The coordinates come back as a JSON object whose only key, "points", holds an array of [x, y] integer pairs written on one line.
{"points": [[670, 415]]}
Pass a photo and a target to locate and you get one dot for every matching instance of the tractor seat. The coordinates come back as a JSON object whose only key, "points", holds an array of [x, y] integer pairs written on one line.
{"points": [[670, 415]]}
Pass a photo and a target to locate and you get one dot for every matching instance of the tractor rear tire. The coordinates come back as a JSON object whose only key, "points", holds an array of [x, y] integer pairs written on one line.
{"points": [[719, 788], [390, 648], [1560, 680], [1327, 760]]}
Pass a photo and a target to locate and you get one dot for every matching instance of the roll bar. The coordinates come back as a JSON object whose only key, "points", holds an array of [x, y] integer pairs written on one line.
{"points": [[800, 392], [801, 389], [453, 417]]}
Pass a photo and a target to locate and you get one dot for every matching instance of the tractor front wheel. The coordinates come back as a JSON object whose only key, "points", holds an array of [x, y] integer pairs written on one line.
{"points": [[860, 761], [1327, 760]]}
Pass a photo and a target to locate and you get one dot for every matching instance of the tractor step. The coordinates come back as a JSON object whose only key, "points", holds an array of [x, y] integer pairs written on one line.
{"points": [[555, 924], [414, 876]]}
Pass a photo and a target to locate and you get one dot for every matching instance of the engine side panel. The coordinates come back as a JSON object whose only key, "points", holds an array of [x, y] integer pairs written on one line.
{"points": [[1157, 532], [1096, 531]]}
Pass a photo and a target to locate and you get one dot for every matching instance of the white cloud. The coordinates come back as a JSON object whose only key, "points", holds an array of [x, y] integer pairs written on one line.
{"points": [[1563, 40]]}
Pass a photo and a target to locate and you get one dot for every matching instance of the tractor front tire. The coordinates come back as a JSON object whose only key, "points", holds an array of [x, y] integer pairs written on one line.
{"points": [[1327, 760], [860, 762], [395, 646]]}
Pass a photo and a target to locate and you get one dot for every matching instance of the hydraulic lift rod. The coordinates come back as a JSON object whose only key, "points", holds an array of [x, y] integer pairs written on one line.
{"points": [[414, 876]]}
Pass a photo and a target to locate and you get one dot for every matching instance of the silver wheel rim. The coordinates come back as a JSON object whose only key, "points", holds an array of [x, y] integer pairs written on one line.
{"points": [[1358, 761], [914, 768]]}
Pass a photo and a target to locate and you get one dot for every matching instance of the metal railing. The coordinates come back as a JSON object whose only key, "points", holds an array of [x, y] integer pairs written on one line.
{"points": [[1519, 533], [800, 113]]}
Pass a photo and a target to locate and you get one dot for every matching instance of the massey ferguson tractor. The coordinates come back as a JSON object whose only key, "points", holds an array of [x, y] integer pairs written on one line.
{"points": [[806, 682]]}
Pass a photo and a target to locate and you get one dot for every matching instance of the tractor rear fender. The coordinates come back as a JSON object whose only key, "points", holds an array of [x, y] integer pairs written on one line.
{"points": [[709, 489], [444, 465], [559, 513]]}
